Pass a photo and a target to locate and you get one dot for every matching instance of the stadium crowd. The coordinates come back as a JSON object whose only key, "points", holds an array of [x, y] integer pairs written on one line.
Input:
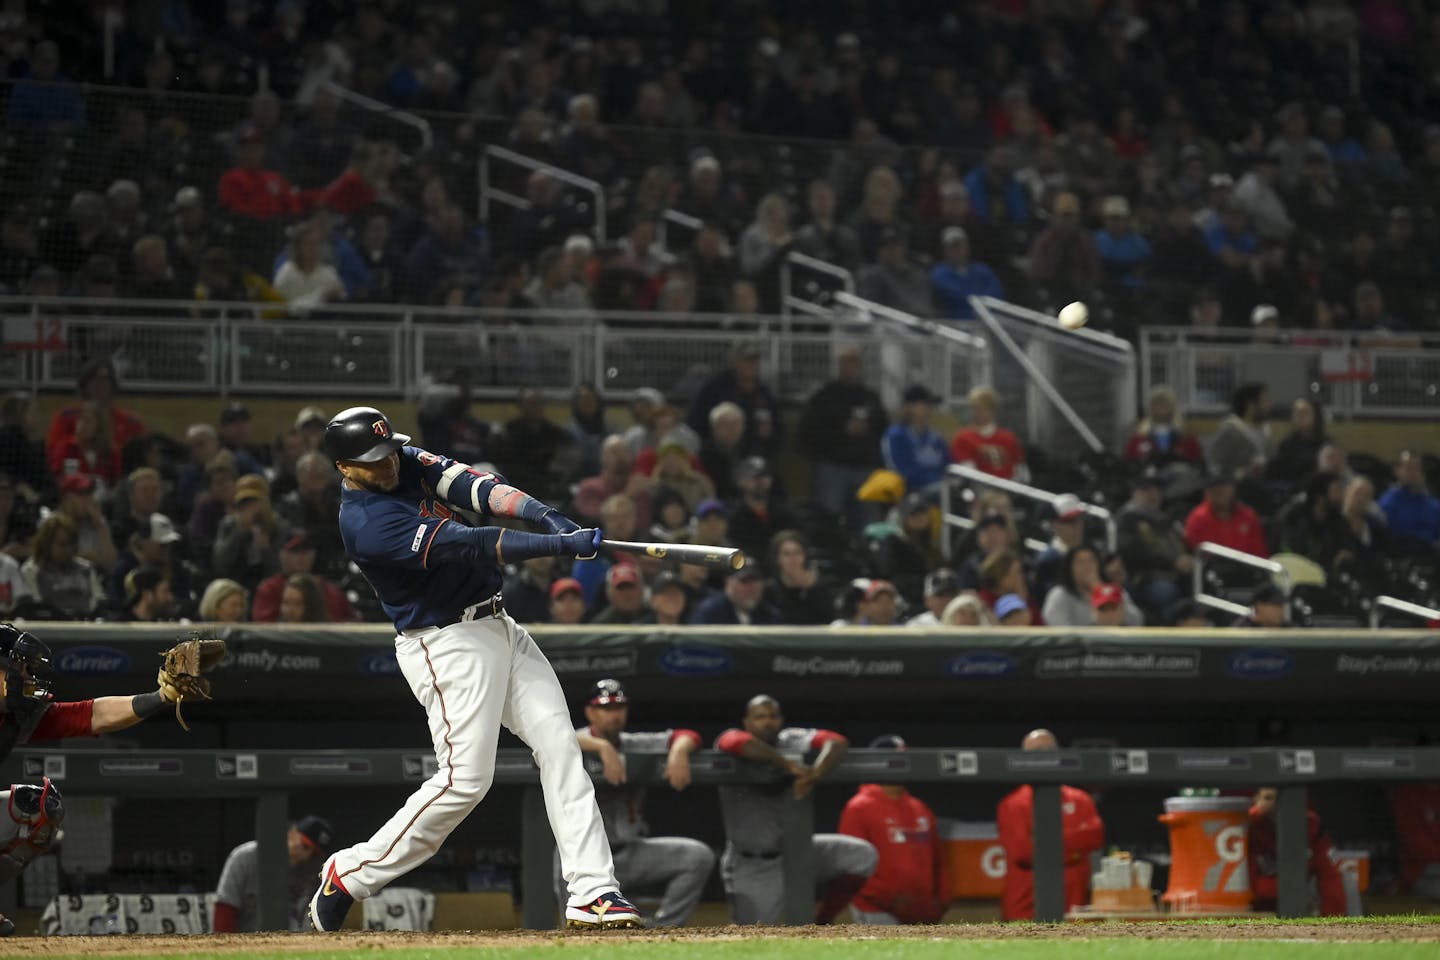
{"points": [[1216, 164]]}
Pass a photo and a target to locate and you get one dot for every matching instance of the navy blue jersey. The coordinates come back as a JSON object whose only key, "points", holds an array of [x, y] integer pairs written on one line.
{"points": [[425, 562]]}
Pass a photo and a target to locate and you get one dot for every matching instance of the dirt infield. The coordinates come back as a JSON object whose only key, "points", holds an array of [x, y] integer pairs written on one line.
{"points": [[1417, 930]]}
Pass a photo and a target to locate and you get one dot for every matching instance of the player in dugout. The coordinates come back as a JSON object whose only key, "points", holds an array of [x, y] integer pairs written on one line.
{"points": [[1082, 830], [751, 866], [910, 883], [1336, 898], [677, 865], [237, 896]]}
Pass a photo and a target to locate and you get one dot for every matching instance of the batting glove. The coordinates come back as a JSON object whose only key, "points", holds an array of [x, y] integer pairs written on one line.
{"points": [[584, 543]]}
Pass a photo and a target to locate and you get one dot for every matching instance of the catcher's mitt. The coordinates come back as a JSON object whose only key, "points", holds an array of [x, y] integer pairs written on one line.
{"points": [[181, 676]]}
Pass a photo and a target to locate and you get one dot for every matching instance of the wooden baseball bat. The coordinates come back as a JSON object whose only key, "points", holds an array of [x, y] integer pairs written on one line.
{"points": [[722, 558]]}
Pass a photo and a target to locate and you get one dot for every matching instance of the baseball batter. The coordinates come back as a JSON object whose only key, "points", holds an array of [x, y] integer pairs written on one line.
{"points": [[407, 518], [677, 865], [751, 867], [31, 814]]}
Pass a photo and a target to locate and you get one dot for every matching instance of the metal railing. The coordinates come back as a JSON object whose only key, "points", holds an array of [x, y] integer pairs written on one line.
{"points": [[675, 218], [489, 192], [1015, 488], [1277, 573], [412, 120], [795, 259], [1355, 375], [1061, 371], [1384, 602]]}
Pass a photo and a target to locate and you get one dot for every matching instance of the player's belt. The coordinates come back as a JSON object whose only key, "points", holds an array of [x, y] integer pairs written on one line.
{"points": [[489, 607], [758, 856]]}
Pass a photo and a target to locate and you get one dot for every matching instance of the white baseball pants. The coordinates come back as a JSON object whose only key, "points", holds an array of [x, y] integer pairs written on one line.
{"points": [[471, 677]]}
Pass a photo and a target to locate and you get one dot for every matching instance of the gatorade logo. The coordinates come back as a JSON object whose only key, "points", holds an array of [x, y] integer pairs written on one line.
{"points": [[992, 862], [1229, 872]]}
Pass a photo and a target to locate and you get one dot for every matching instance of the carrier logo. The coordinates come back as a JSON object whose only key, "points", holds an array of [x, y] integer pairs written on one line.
{"points": [[380, 664], [1260, 664], [92, 661], [979, 665], [696, 660]]}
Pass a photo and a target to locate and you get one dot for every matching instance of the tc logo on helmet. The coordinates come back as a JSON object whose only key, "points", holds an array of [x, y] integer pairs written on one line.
{"points": [[381, 428]]}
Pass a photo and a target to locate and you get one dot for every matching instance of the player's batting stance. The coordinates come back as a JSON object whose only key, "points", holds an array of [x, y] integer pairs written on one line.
{"points": [[30, 814], [472, 667]]}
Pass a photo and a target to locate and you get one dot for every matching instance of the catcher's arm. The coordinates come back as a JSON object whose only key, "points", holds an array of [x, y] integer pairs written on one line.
{"points": [[111, 714]]}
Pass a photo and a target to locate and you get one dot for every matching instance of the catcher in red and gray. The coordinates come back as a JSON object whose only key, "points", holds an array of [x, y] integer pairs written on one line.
{"points": [[679, 865], [28, 711], [751, 867]]}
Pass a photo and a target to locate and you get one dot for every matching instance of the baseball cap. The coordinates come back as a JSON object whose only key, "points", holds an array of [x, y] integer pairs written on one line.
{"points": [[941, 582], [1106, 594], [919, 393], [914, 503], [1150, 478], [1267, 593], [187, 197], [252, 486], [1262, 313], [665, 580], [77, 483], [566, 585], [234, 412], [606, 692], [877, 587], [708, 508], [889, 236], [954, 235], [992, 520], [311, 416], [1219, 478], [889, 741], [1009, 604], [1221, 180], [160, 529], [316, 831], [649, 395], [1067, 506], [1067, 203], [882, 486], [1115, 207], [750, 468], [251, 134], [299, 540], [623, 574]]}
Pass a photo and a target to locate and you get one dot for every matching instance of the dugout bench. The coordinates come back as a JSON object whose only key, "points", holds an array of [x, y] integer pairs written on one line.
{"points": [[268, 776]]}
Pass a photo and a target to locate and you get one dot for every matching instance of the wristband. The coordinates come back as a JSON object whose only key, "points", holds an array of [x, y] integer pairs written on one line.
{"points": [[148, 705]]}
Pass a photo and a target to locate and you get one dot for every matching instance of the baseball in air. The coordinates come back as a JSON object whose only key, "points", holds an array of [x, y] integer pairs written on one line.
{"points": [[1074, 315]]}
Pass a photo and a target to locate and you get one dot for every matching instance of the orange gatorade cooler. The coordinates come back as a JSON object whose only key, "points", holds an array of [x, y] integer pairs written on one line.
{"points": [[1208, 845], [975, 859]]}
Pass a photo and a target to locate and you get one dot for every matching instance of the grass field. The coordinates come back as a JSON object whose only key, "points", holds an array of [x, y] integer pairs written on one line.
{"points": [[1387, 938]]}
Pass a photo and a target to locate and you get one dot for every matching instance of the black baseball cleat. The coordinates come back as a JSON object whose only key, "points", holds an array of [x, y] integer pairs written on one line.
{"points": [[331, 902], [609, 911], [7, 926]]}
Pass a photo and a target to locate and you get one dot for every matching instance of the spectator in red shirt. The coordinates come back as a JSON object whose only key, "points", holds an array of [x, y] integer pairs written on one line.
{"points": [[96, 383], [984, 444], [1222, 519], [249, 190], [89, 449], [1161, 438], [297, 556], [1415, 808], [910, 883], [617, 475], [1264, 869], [1082, 829]]}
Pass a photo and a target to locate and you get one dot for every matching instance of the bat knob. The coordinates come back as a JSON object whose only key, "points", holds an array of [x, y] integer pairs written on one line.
{"points": [[737, 560]]}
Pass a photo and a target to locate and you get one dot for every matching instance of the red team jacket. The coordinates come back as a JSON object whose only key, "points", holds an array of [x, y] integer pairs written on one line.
{"points": [[1242, 530], [910, 881], [998, 454], [1416, 809], [1083, 831], [1262, 861]]}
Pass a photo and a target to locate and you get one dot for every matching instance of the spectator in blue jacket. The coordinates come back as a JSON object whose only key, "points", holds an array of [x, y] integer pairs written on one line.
{"points": [[911, 447], [1123, 251], [996, 195], [741, 602], [45, 100], [957, 278], [447, 265], [1413, 514]]}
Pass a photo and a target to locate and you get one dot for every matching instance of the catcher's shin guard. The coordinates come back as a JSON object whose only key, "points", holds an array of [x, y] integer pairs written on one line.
{"points": [[29, 825]]}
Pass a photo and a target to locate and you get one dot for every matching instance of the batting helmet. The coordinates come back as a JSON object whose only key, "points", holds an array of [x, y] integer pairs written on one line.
{"points": [[606, 692], [362, 434]]}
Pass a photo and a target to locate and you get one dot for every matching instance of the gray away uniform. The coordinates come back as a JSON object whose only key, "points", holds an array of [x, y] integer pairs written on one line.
{"points": [[238, 886], [678, 866], [751, 867]]}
